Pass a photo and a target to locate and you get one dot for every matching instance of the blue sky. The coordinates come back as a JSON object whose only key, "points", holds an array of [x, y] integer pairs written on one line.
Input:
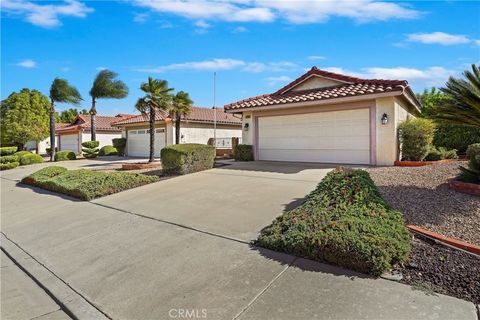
{"points": [[255, 46]]}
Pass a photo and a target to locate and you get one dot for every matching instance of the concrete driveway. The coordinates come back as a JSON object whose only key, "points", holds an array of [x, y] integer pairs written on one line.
{"points": [[180, 247]]}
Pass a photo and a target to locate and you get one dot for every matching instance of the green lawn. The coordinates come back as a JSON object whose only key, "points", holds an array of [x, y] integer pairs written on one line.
{"points": [[86, 184]]}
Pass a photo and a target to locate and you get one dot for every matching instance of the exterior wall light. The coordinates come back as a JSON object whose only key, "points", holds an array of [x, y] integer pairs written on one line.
{"points": [[384, 119], [245, 126]]}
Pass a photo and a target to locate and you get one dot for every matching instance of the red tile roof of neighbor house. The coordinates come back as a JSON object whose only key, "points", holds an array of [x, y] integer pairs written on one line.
{"points": [[198, 114], [349, 87], [104, 123]]}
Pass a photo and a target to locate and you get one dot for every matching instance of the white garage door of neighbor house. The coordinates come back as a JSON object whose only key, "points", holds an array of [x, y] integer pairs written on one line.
{"points": [[138, 144], [330, 137], [69, 142]]}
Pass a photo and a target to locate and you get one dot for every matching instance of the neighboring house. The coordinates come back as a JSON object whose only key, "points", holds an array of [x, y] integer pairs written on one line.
{"points": [[70, 137], [45, 143], [328, 117], [197, 127]]}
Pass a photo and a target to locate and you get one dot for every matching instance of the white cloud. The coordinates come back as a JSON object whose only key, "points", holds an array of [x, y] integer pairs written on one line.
{"points": [[477, 42], [317, 58], [202, 24], [273, 81], [27, 63], [224, 64], [101, 68], [296, 12], [442, 38], [140, 17], [45, 15], [240, 29]]}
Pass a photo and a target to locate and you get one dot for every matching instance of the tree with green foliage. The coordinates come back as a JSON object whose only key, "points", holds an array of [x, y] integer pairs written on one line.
{"points": [[181, 106], [60, 92], [464, 107], [105, 86], [430, 99], [157, 96], [68, 116], [24, 117]]}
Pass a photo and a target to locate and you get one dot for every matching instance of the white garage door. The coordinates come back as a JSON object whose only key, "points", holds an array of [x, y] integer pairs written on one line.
{"points": [[138, 144], [331, 137], [69, 142]]}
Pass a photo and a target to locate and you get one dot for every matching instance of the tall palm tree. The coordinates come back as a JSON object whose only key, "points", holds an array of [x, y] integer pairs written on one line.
{"points": [[105, 87], [157, 96], [181, 106], [60, 91], [464, 107]]}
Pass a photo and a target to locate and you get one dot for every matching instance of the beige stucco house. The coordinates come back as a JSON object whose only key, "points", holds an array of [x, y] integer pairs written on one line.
{"points": [[196, 127], [328, 117]]}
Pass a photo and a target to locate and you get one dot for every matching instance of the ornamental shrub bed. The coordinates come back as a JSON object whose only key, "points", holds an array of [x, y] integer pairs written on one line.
{"points": [[416, 136], [7, 151], [8, 159], [65, 155], [86, 184], [90, 149], [243, 152], [108, 151], [9, 165], [471, 174], [20, 154], [30, 158], [441, 153], [345, 222], [187, 158]]}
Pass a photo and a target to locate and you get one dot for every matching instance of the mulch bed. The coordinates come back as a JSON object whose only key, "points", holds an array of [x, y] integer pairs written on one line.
{"points": [[437, 268]]}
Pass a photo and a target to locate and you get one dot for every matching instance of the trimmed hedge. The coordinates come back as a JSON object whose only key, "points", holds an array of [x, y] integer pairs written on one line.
{"points": [[440, 153], [30, 158], [344, 221], [7, 151], [108, 151], [8, 159], [22, 153], [86, 184], [416, 136], [65, 155], [243, 152], [456, 137], [9, 165], [187, 158], [472, 172], [90, 149], [119, 144]]}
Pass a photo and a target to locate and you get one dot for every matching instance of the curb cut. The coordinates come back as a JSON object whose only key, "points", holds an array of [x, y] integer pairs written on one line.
{"points": [[70, 301]]}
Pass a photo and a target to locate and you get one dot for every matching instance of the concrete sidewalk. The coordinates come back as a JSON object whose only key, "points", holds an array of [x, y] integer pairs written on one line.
{"points": [[129, 265]]}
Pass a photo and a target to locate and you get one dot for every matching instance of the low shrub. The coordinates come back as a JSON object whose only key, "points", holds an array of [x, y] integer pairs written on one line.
{"points": [[243, 152], [90, 144], [8, 159], [440, 153], [108, 151], [30, 158], [9, 165], [49, 150], [472, 172], [344, 221], [416, 136], [119, 144], [22, 153], [65, 155], [86, 184], [90, 149], [455, 137], [187, 158], [7, 151]]}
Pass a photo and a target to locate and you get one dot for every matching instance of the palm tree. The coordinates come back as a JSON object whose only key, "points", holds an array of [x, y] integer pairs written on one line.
{"points": [[105, 87], [464, 107], [157, 96], [60, 91], [181, 106]]}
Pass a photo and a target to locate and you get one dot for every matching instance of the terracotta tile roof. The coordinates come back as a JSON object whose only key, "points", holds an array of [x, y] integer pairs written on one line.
{"points": [[198, 114], [104, 123], [350, 87]]}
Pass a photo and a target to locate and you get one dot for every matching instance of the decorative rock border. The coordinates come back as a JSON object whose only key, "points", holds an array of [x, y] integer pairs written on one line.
{"points": [[464, 187], [450, 241], [141, 165], [420, 163]]}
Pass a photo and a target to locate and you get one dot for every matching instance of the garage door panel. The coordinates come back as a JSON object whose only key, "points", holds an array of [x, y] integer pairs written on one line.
{"points": [[69, 142], [336, 137], [138, 143]]}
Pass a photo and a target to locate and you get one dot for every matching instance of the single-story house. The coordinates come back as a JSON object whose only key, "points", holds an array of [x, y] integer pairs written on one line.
{"points": [[45, 143], [196, 127], [70, 137], [329, 118]]}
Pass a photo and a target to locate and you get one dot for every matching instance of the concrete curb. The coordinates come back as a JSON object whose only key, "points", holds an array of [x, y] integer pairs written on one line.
{"points": [[71, 302]]}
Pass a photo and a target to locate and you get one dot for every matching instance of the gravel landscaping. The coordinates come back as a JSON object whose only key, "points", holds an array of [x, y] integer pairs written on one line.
{"points": [[423, 196], [437, 268]]}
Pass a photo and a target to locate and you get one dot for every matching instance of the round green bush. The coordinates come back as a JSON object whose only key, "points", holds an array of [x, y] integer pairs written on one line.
{"points": [[8, 159], [108, 151], [10, 165], [416, 136], [90, 144], [6, 151], [456, 137], [22, 153], [243, 152], [65, 155], [30, 158]]}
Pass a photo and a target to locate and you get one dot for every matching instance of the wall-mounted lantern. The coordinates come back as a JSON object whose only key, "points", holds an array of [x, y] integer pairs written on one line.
{"points": [[245, 126], [384, 119]]}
